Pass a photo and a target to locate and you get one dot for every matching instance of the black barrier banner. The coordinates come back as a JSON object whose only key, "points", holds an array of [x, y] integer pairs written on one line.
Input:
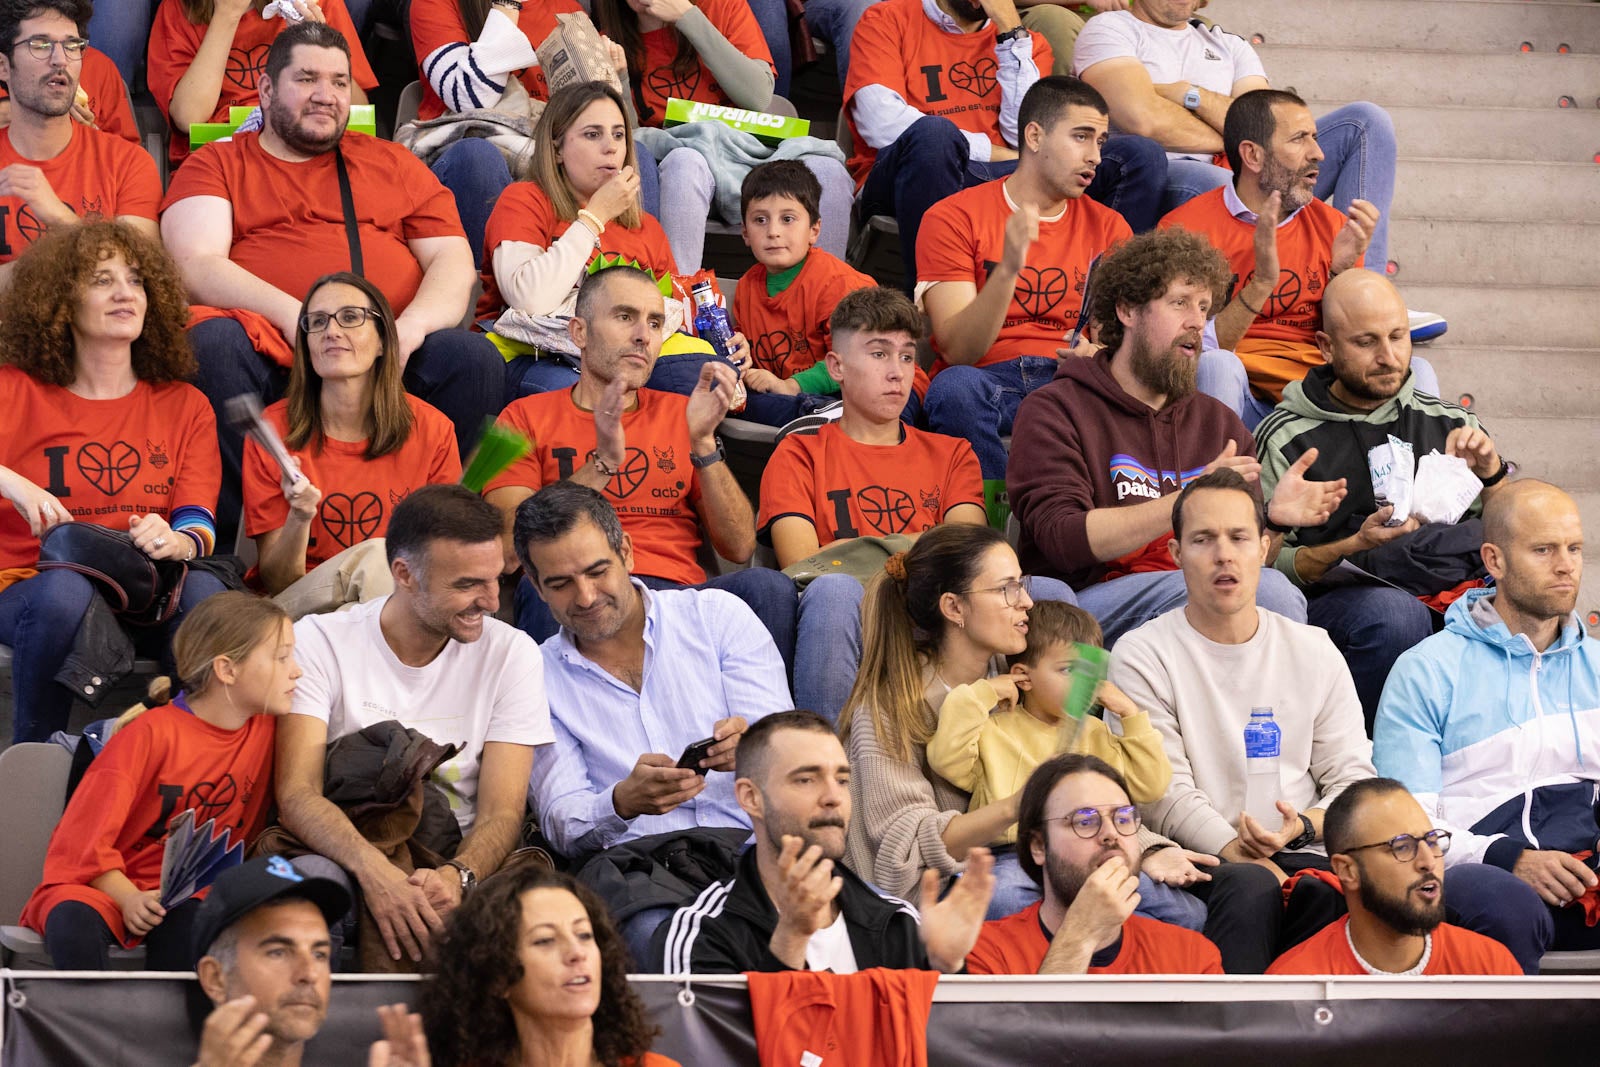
{"points": [[143, 1021]]}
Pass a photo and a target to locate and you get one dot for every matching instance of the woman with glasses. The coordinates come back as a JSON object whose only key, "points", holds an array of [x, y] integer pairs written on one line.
{"points": [[359, 443]]}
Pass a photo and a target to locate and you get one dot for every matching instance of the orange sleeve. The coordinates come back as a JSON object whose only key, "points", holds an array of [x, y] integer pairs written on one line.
{"points": [[527, 472], [439, 435], [111, 796], [963, 481], [338, 16], [875, 55], [108, 97], [947, 241], [137, 182], [173, 42], [265, 509], [789, 484], [199, 472]]}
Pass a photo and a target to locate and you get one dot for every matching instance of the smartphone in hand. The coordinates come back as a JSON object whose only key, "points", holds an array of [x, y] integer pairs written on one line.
{"points": [[690, 760]]}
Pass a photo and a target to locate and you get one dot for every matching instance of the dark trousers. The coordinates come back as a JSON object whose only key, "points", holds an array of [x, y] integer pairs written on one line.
{"points": [[1247, 918], [1371, 625], [78, 939]]}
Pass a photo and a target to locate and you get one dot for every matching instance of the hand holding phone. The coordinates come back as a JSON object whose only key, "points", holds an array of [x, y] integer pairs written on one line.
{"points": [[700, 750]]}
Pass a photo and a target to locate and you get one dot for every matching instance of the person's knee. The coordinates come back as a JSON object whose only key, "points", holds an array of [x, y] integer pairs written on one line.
{"points": [[687, 170], [956, 387], [1045, 588], [768, 592], [1392, 619], [1374, 120], [831, 601], [933, 134], [225, 357], [472, 161], [57, 600]]}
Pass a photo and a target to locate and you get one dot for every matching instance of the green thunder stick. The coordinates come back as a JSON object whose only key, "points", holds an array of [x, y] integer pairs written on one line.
{"points": [[1088, 670], [499, 449]]}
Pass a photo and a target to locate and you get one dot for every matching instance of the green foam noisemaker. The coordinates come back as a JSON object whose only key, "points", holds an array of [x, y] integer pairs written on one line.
{"points": [[769, 129], [363, 119], [1090, 665], [499, 449]]}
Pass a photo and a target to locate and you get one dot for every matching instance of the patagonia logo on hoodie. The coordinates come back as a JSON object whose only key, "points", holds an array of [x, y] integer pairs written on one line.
{"points": [[1132, 478]]}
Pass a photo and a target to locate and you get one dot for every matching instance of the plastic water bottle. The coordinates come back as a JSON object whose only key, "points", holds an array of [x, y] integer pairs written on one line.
{"points": [[1262, 741], [712, 325]]}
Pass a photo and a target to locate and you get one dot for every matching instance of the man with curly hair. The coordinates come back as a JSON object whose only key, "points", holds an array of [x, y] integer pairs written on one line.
{"points": [[1098, 448]]}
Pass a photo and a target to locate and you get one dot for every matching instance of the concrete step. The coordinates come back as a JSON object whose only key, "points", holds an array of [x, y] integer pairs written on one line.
{"points": [[1445, 251], [1570, 135], [1488, 190], [1434, 25], [1508, 382], [1431, 79], [1513, 316], [1559, 450]]}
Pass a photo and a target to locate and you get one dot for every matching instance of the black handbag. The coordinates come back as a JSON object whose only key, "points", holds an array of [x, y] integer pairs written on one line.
{"points": [[141, 590]]}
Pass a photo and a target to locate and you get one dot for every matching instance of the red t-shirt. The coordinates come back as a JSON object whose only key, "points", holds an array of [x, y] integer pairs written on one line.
{"points": [[1017, 944], [436, 23], [153, 451], [848, 489], [288, 222], [1281, 345], [872, 1018], [898, 47], [108, 96], [788, 333], [655, 492], [160, 765], [357, 493], [963, 238], [524, 213], [1455, 951], [174, 40], [734, 20], [97, 174]]}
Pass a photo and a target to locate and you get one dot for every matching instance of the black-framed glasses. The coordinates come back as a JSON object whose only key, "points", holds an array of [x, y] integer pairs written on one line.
{"points": [[348, 317], [44, 47], [1012, 591], [1086, 822], [1404, 846]]}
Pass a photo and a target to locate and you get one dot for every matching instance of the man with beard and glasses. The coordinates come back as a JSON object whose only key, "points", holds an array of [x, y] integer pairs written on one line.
{"points": [[255, 220], [1389, 858], [431, 657], [55, 170], [650, 691], [794, 905], [1494, 724], [1098, 450], [1077, 837], [1284, 247], [1364, 395]]}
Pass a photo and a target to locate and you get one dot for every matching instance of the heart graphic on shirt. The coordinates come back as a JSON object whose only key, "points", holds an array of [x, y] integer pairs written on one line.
{"points": [[210, 799], [246, 65], [1039, 291], [975, 78], [776, 350], [889, 510], [109, 468], [666, 82], [28, 224], [352, 519], [630, 476]]}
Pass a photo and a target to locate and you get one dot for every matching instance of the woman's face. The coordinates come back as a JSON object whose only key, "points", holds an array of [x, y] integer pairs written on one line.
{"points": [[594, 147], [560, 958], [981, 611], [112, 304], [265, 679], [342, 352]]}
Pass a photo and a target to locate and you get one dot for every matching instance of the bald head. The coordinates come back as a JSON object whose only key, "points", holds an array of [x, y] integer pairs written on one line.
{"points": [[1533, 547], [1366, 338], [1525, 498], [1356, 290]]}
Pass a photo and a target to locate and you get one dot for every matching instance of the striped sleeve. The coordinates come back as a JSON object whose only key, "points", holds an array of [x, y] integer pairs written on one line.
{"points": [[468, 76]]}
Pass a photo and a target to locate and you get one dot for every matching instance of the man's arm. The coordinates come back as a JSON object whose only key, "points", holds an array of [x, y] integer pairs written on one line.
{"points": [[1138, 106], [967, 320], [1104, 902], [198, 231], [722, 507], [1113, 532], [1235, 320], [502, 803], [793, 539], [448, 271]]}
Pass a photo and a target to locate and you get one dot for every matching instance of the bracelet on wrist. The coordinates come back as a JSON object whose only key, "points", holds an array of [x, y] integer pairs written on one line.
{"points": [[593, 220], [1498, 476], [610, 470], [1239, 296]]}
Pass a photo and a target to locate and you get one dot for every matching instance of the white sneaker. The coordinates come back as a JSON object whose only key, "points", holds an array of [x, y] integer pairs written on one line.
{"points": [[1425, 326]]}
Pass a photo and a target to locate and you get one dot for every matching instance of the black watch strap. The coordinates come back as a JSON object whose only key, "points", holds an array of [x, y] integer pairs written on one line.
{"points": [[1308, 834], [715, 456]]}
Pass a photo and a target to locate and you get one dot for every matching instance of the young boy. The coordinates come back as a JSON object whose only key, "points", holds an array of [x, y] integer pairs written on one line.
{"points": [[782, 303]]}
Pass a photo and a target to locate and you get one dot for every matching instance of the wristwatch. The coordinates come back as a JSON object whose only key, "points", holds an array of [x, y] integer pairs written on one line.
{"points": [[469, 878], [1191, 99], [711, 458], [1010, 35], [1307, 835], [1507, 468]]}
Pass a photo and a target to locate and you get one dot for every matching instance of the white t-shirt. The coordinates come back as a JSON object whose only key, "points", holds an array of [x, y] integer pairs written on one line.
{"points": [[1209, 57], [489, 690], [829, 949]]}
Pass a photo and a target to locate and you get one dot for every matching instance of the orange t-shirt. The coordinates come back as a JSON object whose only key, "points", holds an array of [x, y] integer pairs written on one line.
{"points": [[288, 222], [656, 490], [1017, 944], [1455, 951], [108, 96], [1281, 345], [174, 40], [898, 47], [963, 238], [357, 493], [788, 333], [734, 20], [524, 213], [872, 1018], [848, 489], [160, 765], [97, 174], [153, 451], [436, 23]]}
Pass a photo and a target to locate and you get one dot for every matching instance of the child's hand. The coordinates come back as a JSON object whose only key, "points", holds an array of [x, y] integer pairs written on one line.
{"points": [[143, 912], [1005, 687], [764, 381], [1115, 701]]}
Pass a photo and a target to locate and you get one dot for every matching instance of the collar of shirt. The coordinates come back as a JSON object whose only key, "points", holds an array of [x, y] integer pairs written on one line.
{"points": [[1420, 966], [1237, 209], [1005, 190], [940, 18], [570, 653]]}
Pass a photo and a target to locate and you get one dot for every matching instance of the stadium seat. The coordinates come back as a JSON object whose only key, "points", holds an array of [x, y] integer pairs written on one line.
{"points": [[875, 240], [410, 100], [1570, 962]]}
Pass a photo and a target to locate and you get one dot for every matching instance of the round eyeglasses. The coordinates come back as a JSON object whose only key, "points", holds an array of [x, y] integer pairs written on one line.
{"points": [[1404, 846], [1086, 822], [1012, 591]]}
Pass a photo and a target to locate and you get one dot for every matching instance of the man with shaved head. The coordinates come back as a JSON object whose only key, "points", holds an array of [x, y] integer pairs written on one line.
{"points": [[1494, 724], [1363, 394]]}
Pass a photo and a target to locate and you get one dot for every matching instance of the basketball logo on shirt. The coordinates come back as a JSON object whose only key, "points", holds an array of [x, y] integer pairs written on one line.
{"points": [[889, 510], [777, 350], [630, 476], [246, 65], [1039, 291], [666, 82], [28, 224], [210, 799], [1285, 297], [109, 468], [977, 79], [352, 519]]}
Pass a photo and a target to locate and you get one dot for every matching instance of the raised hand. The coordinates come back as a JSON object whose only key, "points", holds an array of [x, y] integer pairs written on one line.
{"points": [[234, 1035], [403, 1043], [1248, 467], [710, 401], [1352, 241], [1476, 447], [618, 194], [1022, 229], [950, 927], [610, 441], [1299, 502]]}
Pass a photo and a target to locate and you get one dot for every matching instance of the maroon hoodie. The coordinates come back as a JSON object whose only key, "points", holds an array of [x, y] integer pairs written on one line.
{"points": [[1082, 443]]}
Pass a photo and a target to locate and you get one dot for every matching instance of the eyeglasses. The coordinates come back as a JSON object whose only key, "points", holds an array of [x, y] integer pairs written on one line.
{"points": [[1086, 822], [1404, 846], [348, 317], [45, 47], [1012, 591]]}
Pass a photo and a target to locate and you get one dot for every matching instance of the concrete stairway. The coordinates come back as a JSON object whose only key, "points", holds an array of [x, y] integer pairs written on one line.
{"points": [[1496, 219]]}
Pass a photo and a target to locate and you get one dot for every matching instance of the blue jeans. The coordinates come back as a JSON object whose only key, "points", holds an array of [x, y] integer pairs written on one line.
{"points": [[773, 18], [835, 22], [1498, 904], [527, 375], [979, 404], [769, 593], [1126, 603], [476, 174], [637, 931], [649, 180], [39, 619], [457, 371], [1014, 890], [1370, 625], [121, 29], [1222, 375]]}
